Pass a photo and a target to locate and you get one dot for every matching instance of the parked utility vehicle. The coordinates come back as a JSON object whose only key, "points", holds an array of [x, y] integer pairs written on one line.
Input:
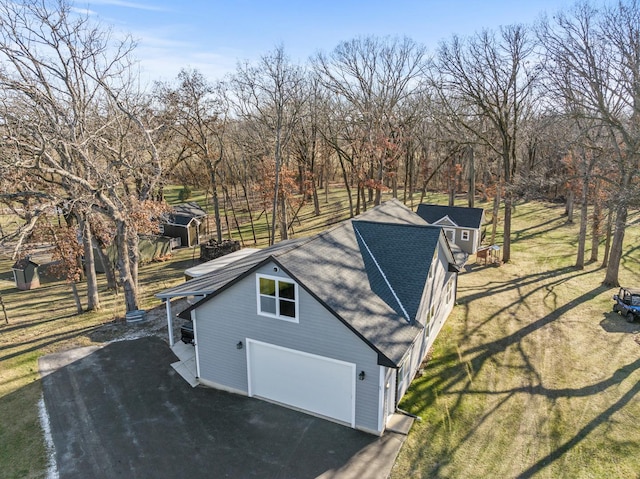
{"points": [[627, 303]]}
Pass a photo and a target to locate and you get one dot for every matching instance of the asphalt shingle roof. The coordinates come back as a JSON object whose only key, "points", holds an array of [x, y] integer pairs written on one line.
{"points": [[460, 215], [374, 290], [191, 208], [180, 220]]}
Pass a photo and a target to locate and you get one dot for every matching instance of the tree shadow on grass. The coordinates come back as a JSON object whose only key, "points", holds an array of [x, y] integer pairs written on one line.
{"points": [[540, 229], [456, 371], [561, 275], [601, 418]]}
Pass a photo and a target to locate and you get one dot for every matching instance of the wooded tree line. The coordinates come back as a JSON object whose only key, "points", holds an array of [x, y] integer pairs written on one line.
{"points": [[543, 111]]}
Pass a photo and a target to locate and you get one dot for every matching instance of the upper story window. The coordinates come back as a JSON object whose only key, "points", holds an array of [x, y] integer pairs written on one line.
{"points": [[434, 264], [464, 235], [277, 297]]}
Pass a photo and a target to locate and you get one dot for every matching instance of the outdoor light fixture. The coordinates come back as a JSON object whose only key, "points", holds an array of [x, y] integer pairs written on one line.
{"points": [[361, 376], [239, 345]]}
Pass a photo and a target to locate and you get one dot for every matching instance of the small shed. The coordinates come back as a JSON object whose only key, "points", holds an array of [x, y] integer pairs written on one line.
{"points": [[184, 223], [25, 273]]}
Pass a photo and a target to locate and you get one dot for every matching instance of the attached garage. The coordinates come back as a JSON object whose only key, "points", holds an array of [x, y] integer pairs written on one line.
{"points": [[316, 384], [322, 324]]}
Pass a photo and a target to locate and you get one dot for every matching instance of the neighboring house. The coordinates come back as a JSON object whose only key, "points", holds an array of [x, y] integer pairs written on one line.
{"points": [[461, 225], [184, 223], [335, 325]]}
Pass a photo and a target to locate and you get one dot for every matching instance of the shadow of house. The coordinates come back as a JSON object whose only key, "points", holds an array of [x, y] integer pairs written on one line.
{"points": [[184, 223]]}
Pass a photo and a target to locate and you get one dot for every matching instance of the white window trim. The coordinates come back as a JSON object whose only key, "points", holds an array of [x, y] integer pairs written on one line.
{"points": [[453, 234], [277, 315], [464, 235], [434, 264], [448, 290]]}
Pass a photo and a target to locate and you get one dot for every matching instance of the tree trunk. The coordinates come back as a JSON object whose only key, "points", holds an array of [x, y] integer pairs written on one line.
{"points": [[4, 310], [248, 204], [452, 192], [595, 224], [379, 177], [508, 210], [611, 277], [582, 235], [76, 297], [326, 191], [134, 255], [112, 284], [124, 268], [569, 205], [471, 193], [284, 230], [345, 178], [316, 201], [233, 212], [394, 186], [364, 201], [607, 241], [276, 188], [496, 213], [93, 298], [216, 202]]}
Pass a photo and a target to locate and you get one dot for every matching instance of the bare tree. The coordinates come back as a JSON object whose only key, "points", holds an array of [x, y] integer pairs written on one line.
{"points": [[593, 62], [487, 76], [269, 96], [72, 120], [196, 117], [373, 79]]}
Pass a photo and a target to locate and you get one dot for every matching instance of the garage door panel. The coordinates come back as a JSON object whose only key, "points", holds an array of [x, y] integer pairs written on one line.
{"points": [[320, 385]]}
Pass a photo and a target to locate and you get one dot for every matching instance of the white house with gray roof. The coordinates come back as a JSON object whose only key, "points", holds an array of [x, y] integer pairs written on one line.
{"points": [[335, 325]]}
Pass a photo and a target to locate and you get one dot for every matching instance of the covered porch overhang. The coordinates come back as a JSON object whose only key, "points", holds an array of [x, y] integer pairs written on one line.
{"points": [[167, 297]]}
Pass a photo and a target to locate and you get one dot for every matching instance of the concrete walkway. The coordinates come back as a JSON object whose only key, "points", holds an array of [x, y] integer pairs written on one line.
{"points": [[121, 411], [186, 364]]}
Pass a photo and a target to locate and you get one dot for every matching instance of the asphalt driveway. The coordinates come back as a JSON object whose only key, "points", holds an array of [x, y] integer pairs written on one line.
{"points": [[122, 411]]}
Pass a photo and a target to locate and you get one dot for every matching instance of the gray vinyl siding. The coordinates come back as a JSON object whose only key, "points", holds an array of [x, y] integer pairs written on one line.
{"points": [[434, 295], [232, 317], [467, 246]]}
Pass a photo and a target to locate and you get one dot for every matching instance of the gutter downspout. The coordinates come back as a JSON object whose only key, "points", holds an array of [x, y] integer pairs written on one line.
{"points": [[402, 411]]}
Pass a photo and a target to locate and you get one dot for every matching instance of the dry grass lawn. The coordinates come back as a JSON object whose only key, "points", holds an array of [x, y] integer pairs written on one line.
{"points": [[533, 375], [43, 320]]}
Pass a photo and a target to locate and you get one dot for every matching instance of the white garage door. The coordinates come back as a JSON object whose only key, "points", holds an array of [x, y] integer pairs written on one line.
{"points": [[313, 383]]}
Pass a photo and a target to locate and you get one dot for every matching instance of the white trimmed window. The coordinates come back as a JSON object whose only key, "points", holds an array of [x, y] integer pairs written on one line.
{"points": [[434, 264], [277, 298], [464, 235], [450, 233], [449, 289]]}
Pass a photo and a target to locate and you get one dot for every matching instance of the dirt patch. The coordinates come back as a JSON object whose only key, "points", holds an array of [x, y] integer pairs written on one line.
{"points": [[155, 324]]}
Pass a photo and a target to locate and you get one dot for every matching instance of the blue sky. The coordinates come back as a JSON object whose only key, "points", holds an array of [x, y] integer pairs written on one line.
{"points": [[214, 35]]}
